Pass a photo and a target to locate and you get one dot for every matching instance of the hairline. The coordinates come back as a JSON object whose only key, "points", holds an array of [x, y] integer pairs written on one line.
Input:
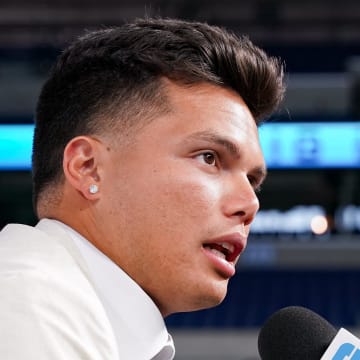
{"points": [[117, 131]]}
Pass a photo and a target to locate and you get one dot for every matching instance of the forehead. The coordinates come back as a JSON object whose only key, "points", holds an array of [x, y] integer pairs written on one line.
{"points": [[199, 117], [206, 106]]}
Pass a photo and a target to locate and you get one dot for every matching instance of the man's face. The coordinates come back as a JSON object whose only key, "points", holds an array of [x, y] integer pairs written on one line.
{"points": [[176, 204]]}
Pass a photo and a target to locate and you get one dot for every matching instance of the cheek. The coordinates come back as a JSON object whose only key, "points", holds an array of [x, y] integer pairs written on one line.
{"points": [[189, 200], [172, 212], [164, 208]]}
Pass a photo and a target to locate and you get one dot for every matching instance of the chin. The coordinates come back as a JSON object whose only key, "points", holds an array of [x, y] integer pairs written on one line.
{"points": [[212, 297], [203, 295], [197, 304]]}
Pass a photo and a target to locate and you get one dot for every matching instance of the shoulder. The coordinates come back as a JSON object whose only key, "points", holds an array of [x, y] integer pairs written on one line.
{"points": [[45, 292], [19, 239], [27, 250]]}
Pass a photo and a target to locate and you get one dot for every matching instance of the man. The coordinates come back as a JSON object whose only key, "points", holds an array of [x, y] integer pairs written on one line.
{"points": [[146, 163]]}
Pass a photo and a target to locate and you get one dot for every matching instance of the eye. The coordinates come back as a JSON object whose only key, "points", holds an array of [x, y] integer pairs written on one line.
{"points": [[208, 158], [255, 183]]}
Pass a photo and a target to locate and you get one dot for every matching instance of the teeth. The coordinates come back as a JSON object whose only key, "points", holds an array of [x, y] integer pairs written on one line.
{"points": [[218, 253], [228, 247]]}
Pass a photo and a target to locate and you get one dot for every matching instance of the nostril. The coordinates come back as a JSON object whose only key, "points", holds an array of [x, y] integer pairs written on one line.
{"points": [[240, 213], [249, 220]]}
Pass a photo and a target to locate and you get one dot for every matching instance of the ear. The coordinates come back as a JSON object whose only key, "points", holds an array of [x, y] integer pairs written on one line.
{"points": [[81, 165]]}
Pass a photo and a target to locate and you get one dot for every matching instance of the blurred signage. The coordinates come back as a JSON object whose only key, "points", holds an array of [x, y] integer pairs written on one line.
{"points": [[311, 145], [347, 218], [291, 145], [297, 220], [16, 147], [303, 219]]}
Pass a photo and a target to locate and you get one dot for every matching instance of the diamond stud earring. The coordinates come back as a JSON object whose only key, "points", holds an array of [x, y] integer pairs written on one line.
{"points": [[93, 189]]}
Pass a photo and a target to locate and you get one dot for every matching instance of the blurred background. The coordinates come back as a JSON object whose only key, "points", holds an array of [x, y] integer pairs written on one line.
{"points": [[305, 245]]}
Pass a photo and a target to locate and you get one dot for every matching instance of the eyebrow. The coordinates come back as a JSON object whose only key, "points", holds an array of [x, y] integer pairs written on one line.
{"points": [[259, 172], [217, 139]]}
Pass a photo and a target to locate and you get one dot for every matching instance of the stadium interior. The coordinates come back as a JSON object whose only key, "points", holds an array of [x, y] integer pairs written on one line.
{"points": [[305, 247]]}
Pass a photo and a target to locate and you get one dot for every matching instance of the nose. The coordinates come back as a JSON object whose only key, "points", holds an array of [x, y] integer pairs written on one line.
{"points": [[241, 202]]}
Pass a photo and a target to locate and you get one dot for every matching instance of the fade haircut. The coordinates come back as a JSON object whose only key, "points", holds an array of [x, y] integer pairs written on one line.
{"points": [[110, 79]]}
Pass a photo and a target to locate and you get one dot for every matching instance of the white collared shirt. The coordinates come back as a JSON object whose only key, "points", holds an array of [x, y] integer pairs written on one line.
{"points": [[138, 325]]}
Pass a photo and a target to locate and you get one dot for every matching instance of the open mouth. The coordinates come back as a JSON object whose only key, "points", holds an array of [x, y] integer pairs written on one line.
{"points": [[226, 251]]}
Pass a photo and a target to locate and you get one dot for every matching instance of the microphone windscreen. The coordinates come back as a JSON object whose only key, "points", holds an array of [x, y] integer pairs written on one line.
{"points": [[295, 333]]}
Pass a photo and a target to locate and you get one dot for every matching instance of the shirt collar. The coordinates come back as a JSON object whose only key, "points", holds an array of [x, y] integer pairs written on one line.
{"points": [[138, 325]]}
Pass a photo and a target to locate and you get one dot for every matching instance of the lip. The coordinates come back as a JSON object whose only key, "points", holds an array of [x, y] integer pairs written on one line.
{"points": [[225, 266]]}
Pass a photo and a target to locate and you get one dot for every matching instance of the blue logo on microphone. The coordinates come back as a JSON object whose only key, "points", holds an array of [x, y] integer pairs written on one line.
{"points": [[344, 352]]}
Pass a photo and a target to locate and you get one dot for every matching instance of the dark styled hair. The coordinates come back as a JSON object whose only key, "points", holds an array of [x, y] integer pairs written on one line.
{"points": [[111, 78]]}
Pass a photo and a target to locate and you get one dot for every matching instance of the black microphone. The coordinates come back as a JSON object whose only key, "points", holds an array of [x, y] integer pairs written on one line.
{"points": [[297, 333]]}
